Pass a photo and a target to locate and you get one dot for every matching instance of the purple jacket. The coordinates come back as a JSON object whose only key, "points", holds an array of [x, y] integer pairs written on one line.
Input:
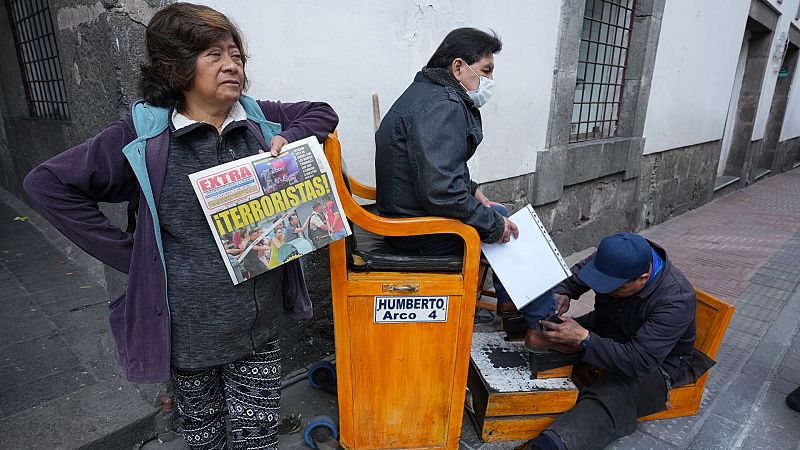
{"points": [[67, 189]]}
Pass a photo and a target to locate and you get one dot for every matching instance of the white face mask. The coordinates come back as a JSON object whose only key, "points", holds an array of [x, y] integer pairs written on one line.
{"points": [[484, 92]]}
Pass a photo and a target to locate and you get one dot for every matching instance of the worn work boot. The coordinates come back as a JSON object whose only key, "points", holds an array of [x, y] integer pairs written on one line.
{"points": [[505, 309], [793, 400], [515, 327], [541, 442], [537, 343]]}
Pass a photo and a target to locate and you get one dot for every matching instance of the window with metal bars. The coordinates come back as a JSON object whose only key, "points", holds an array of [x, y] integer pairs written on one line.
{"points": [[35, 41], [602, 59]]}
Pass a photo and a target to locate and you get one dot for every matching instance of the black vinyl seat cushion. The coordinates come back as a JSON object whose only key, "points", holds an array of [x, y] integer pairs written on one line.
{"points": [[373, 252], [367, 251]]}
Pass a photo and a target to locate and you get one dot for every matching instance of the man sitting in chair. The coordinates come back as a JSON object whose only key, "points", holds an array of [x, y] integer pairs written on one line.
{"points": [[641, 335], [422, 147]]}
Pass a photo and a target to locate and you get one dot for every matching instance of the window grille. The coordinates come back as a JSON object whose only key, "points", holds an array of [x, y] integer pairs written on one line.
{"points": [[37, 52], [602, 59]]}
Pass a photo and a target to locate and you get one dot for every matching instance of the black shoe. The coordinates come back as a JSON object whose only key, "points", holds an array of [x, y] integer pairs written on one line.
{"points": [[528, 446], [793, 400], [515, 327]]}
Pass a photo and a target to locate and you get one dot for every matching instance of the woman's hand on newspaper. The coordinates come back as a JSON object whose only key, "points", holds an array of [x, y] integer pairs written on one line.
{"points": [[276, 144]]}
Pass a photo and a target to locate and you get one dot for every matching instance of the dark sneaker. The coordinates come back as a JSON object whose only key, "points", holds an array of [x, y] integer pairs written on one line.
{"points": [[793, 400], [515, 327], [505, 309], [530, 445]]}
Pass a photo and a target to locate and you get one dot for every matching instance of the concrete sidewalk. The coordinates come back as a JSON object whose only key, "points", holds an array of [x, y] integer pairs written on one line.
{"points": [[60, 388], [60, 385]]}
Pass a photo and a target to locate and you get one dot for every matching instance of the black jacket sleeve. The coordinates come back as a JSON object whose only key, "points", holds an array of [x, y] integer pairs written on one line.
{"points": [[437, 152], [669, 313]]}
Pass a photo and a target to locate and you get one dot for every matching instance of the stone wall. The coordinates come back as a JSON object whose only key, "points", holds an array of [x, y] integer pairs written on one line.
{"points": [[599, 194], [676, 181], [589, 211], [788, 153]]}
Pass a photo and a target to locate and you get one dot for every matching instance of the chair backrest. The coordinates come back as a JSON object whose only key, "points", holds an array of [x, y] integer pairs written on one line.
{"points": [[359, 189], [349, 188], [354, 187], [712, 316]]}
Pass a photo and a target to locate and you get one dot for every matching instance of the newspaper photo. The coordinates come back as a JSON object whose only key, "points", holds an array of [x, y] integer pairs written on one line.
{"points": [[264, 211]]}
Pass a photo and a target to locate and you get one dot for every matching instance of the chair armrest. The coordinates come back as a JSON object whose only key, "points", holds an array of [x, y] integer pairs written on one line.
{"points": [[362, 190], [388, 226]]}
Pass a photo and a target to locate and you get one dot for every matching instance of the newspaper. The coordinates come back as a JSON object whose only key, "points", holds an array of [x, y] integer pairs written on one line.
{"points": [[264, 211]]}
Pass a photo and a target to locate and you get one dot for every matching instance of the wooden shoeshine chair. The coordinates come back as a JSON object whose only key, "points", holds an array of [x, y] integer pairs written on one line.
{"points": [[400, 385]]}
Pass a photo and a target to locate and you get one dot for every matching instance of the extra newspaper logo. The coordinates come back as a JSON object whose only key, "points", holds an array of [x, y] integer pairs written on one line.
{"points": [[410, 309], [227, 186]]}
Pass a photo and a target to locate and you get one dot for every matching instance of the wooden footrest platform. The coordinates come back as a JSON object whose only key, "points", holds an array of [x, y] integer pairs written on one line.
{"points": [[505, 403]]}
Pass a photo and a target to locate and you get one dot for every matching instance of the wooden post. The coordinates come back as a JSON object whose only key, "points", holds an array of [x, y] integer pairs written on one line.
{"points": [[376, 111]]}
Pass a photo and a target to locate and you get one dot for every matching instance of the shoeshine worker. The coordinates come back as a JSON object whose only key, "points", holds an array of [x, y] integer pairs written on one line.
{"points": [[641, 335]]}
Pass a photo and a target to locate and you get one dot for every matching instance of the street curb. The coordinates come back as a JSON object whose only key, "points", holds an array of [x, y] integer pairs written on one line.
{"points": [[128, 436]]}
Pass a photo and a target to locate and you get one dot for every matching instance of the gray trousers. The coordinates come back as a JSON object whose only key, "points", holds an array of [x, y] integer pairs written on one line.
{"points": [[608, 410]]}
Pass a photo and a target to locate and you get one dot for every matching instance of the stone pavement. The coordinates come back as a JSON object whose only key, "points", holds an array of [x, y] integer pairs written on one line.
{"points": [[59, 386], [59, 379]]}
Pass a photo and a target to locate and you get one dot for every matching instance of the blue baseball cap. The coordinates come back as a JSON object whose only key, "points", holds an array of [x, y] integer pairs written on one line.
{"points": [[619, 259]]}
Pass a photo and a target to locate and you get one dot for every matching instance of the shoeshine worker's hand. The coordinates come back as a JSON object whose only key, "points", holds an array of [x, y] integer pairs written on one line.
{"points": [[562, 304], [509, 229], [567, 332]]}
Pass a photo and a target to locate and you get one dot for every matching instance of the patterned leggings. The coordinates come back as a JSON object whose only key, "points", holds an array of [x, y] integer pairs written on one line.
{"points": [[251, 389]]}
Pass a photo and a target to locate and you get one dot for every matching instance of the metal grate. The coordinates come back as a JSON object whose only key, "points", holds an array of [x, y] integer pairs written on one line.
{"points": [[602, 59], [37, 52]]}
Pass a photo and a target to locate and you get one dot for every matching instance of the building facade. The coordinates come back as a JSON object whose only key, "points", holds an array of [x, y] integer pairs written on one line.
{"points": [[608, 115]]}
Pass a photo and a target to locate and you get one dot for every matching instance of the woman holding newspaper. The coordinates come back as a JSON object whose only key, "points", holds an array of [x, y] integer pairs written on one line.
{"points": [[181, 318]]}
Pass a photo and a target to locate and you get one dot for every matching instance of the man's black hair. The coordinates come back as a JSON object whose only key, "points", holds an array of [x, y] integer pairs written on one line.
{"points": [[469, 44]]}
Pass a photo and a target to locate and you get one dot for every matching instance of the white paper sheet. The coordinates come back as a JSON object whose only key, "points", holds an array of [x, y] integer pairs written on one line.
{"points": [[530, 265]]}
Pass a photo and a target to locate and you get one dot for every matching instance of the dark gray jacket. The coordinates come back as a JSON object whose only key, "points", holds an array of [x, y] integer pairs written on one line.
{"points": [[634, 336], [422, 148]]}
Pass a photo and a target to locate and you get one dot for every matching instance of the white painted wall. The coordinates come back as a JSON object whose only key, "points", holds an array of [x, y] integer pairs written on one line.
{"points": [[788, 11], [694, 71], [344, 51], [791, 122]]}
